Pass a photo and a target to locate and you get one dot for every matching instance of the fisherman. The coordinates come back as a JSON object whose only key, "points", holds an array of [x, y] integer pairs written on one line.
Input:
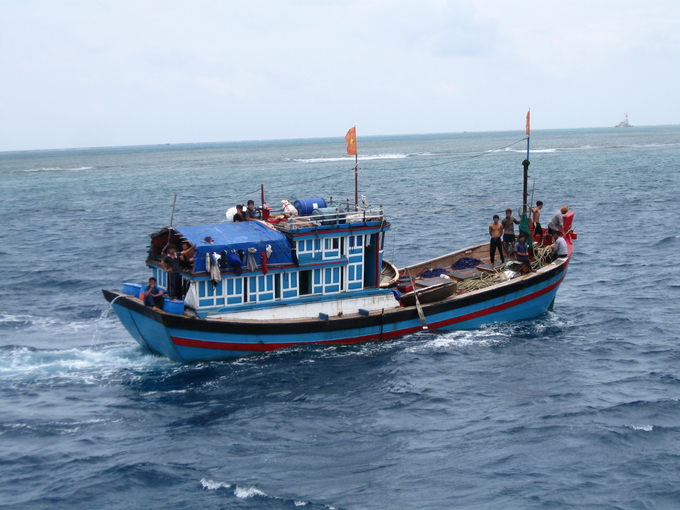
{"points": [[509, 223], [151, 295], [239, 216], [187, 255], [557, 222], [522, 252], [496, 231], [538, 230], [171, 265], [560, 249], [250, 213]]}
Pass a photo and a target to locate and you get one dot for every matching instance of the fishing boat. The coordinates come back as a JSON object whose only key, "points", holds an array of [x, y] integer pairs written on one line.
{"points": [[319, 279], [316, 275]]}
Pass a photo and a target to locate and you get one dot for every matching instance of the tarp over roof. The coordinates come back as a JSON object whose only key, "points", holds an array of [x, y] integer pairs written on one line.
{"points": [[237, 236]]}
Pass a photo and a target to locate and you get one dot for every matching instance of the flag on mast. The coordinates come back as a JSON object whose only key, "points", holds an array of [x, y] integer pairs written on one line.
{"points": [[351, 139], [528, 122]]}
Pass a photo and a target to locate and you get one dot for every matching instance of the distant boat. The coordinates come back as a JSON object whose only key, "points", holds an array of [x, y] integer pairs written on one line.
{"points": [[624, 122]]}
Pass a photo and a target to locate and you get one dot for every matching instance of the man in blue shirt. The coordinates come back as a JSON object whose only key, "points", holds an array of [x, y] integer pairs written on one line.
{"points": [[522, 252], [152, 295]]}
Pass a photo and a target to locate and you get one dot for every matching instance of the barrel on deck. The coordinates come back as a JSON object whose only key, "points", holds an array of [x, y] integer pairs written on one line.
{"points": [[176, 307], [132, 289], [329, 215], [305, 206]]}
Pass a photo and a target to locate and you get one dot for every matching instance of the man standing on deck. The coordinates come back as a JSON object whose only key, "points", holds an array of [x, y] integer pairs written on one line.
{"points": [[509, 223], [171, 265], [496, 231], [557, 222], [538, 230]]}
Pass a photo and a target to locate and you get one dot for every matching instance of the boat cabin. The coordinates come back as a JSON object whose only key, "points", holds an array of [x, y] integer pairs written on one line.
{"points": [[280, 262]]}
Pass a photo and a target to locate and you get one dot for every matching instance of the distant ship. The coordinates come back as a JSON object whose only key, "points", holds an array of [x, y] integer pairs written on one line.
{"points": [[624, 122]]}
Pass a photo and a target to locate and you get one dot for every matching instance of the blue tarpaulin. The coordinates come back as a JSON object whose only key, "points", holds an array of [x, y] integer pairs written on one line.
{"points": [[237, 236]]}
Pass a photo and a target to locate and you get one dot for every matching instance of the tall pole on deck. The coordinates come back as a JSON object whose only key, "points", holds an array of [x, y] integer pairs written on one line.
{"points": [[356, 182], [525, 163]]}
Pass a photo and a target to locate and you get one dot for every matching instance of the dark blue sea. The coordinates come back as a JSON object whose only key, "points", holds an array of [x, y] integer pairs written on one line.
{"points": [[577, 408]]}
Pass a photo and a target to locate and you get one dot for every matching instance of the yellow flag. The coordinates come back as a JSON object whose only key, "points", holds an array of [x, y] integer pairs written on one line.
{"points": [[351, 139]]}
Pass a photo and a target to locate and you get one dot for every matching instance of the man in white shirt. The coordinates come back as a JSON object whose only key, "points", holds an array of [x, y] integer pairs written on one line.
{"points": [[560, 249]]}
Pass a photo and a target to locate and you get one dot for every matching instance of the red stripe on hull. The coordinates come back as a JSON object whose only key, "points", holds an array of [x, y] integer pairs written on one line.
{"points": [[262, 347]]}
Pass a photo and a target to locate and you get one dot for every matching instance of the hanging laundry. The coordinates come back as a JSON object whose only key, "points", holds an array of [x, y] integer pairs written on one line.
{"points": [[215, 273], [223, 260], [235, 261], [268, 249], [264, 263], [208, 262], [252, 265]]}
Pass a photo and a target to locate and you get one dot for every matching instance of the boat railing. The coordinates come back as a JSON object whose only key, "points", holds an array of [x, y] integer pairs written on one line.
{"points": [[332, 217]]}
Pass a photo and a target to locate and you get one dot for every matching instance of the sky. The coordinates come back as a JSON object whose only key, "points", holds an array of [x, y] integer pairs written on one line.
{"points": [[115, 73]]}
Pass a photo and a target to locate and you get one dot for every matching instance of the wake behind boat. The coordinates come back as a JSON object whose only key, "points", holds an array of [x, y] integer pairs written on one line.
{"points": [[319, 277]]}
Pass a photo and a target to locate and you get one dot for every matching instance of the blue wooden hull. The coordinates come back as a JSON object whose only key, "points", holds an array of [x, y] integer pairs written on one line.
{"points": [[191, 339]]}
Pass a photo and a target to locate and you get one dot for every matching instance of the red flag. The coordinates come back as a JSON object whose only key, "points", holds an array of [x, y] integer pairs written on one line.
{"points": [[528, 115], [351, 139]]}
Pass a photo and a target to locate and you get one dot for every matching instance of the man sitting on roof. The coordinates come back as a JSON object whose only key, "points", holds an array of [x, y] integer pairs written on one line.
{"points": [[251, 213], [239, 216]]}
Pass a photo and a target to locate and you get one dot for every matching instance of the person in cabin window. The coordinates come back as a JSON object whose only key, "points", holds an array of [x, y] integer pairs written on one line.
{"points": [[557, 222], [151, 295], [496, 231], [538, 230], [522, 252], [239, 216], [509, 223], [171, 265], [251, 213]]}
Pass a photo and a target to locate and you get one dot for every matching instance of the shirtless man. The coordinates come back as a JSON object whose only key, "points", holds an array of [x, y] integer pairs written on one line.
{"points": [[538, 230], [496, 231], [509, 223]]}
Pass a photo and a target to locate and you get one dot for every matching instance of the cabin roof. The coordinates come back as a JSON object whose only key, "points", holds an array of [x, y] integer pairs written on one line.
{"points": [[237, 236]]}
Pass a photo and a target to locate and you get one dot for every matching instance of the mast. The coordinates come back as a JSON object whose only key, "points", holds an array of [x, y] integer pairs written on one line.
{"points": [[525, 163]]}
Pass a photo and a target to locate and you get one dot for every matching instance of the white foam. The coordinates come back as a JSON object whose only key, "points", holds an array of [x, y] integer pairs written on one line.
{"points": [[211, 485], [644, 428], [58, 169], [248, 492]]}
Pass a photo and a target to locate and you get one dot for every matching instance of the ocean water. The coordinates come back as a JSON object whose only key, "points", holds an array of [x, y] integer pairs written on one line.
{"points": [[577, 408]]}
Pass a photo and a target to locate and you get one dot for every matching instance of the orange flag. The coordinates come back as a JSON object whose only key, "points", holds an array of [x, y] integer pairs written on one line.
{"points": [[351, 139], [528, 115]]}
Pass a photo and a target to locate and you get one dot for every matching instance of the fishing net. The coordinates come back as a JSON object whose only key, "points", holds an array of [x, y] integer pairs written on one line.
{"points": [[524, 229]]}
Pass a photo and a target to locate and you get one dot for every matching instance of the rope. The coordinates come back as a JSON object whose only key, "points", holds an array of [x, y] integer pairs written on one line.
{"points": [[297, 184]]}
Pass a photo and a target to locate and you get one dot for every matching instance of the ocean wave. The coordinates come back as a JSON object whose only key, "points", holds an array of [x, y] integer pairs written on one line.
{"points": [[58, 169], [644, 428], [243, 492], [22, 367]]}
